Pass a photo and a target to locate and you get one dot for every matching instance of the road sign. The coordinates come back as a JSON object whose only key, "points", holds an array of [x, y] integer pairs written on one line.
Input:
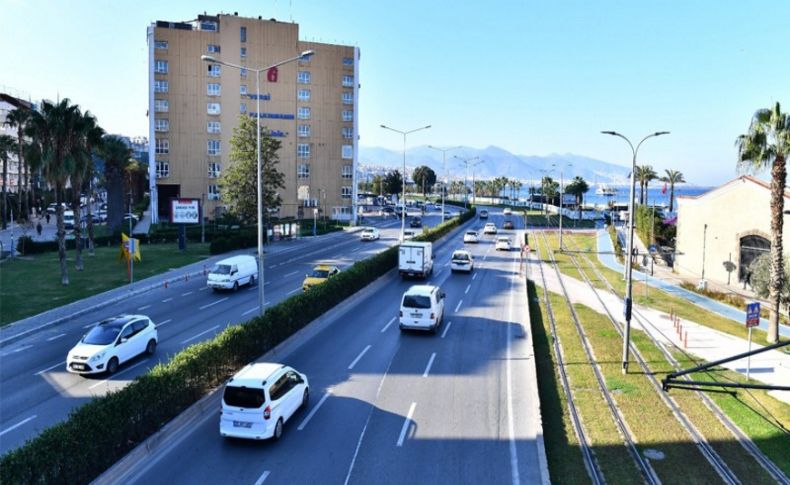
{"points": [[752, 314], [652, 249], [184, 211]]}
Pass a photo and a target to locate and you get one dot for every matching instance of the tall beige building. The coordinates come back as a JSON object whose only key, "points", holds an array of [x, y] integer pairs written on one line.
{"points": [[310, 105]]}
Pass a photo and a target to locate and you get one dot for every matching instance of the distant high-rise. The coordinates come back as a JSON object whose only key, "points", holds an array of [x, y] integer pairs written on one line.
{"points": [[311, 105]]}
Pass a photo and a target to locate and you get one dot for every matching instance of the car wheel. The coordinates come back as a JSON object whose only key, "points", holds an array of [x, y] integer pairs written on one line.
{"points": [[278, 429], [305, 397], [112, 366], [151, 347], [252, 280], [235, 286]]}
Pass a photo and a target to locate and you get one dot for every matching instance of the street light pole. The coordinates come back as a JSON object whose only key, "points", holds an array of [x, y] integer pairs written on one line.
{"points": [[561, 197], [704, 241], [630, 242], [444, 169], [211, 59], [403, 201], [467, 163]]}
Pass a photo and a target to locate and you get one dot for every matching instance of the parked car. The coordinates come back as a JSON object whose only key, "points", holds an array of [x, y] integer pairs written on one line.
{"points": [[483, 214], [422, 308], [52, 208], [231, 273], [320, 273], [507, 225], [386, 211], [462, 260], [128, 216], [369, 234], [502, 243], [489, 228], [471, 237], [507, 211], [260, 399], [68, 219], [112, 342], [415, 222]]}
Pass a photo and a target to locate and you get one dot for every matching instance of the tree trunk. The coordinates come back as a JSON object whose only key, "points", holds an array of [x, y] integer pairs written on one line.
{"points": [[91, 251], [75, 207], [61, 233], [671, 197], [115, 203], [5, 190], [778, 184], [20, 215]]}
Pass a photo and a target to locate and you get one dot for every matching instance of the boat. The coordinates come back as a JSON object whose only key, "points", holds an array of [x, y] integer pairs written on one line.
{"points": [[606, 191]]}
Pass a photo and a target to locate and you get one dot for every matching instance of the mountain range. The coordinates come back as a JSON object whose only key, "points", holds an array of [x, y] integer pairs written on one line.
{"points": [[497, 162]]}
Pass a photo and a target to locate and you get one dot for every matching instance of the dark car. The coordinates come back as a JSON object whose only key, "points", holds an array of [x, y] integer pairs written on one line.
{"points": [[386, 211], [415, 222], [507, 225], [483, 214]]}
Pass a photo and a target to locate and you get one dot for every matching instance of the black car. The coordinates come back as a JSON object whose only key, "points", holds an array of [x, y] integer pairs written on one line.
{"points": [[386, 211], [507, 225], [483, 214], [415, 222]]}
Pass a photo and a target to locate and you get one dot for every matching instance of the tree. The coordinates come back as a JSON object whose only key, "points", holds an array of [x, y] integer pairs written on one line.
{"points": [[116, 155], [548, 189], [644, 174], [761, 278], [7, 146], [766, 145], [673, 177], [393, 182], [424, 177], [94, 135], [578, 187], [17, 119], [239, 183], [378, 185]]}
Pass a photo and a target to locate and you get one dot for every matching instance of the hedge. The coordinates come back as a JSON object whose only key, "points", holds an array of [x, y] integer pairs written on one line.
{"points": [[102, 431]]}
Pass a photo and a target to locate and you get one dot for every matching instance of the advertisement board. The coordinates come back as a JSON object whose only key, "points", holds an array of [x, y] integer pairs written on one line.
{"points": [[184, 211]]}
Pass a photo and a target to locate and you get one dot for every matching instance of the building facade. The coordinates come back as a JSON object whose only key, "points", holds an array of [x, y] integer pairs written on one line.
{"points": [[311, 105], [728, 224]]}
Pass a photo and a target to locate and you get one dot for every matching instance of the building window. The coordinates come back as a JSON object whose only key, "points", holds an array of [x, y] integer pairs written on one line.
{"points": [[213, 127], [214, 89], [162, 169], [242, 108], [347, 171], [213, 170], [213, 108], [243, 73], [303, 130], [303, 150], [345, 192], [161, 106], [213, 192], [243, 89], [348, 61], [348, 97], [162, 146], [160, 44], [243, 52], [348, 115], [303, 113], [348, 81], [161, 125], [303, 77], [303, 170], [160, 67], [347, 152], [161, 86], [303, 192], [214, 70], [208, 26], [213, 147], [303, 94], [347, 132], [243, 34], [213, 48]]}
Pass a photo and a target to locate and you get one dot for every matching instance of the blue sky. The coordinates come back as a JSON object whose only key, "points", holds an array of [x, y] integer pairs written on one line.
{"points": [[532, 77]]}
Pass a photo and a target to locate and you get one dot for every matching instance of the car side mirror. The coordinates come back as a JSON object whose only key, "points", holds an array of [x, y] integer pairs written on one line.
{"points": [[443, 295], [123, 340]]}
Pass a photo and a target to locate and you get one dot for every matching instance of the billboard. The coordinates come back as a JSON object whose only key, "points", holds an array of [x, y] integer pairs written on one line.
{"points": [[184, 211]]}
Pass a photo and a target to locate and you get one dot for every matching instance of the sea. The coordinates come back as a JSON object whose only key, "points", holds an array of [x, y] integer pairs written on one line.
{"points": [[654, 194]]}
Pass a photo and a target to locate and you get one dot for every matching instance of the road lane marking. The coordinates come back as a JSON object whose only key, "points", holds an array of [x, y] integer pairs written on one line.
{"points": [[213, 303], [291, 273], [458, 306], [467, 288], [262, 478], [143, 307], [430, 363], [447, 264], [24, 421], [446, 328], [474, 276], [167, 300], [313, 411], [510, 419], [204, 288], [89, 325], [187, 293], [200, 334], [164, 322], [20, 349], [118, 374], [388, 325], [55, 337], [351, 366], [251, 310], [293, 291], [406, 424], [50, 368]]}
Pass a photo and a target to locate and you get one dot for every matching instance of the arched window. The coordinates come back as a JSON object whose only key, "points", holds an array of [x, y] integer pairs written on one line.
{"points": [[751, 248]]}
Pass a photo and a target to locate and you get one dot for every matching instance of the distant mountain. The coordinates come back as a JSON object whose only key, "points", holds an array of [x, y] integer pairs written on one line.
{"points": [[497, 162]]}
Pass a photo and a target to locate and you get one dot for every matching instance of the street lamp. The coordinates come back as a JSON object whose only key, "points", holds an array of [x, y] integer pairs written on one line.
{"points": [[630, 242], [403, 201], [444, 168], [259, 177], [561, 197], [467, 162]]}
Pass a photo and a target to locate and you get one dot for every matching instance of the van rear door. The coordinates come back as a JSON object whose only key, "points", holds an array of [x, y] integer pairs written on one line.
{"points": [[411, 259]]}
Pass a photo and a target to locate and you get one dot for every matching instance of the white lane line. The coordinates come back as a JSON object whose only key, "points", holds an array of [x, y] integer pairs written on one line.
{"points": [[89, 325], [351, 366], [20, 349], [200, 334], [355, 250], [50, 368], [203, 289], [143, 307], [253, 309], [118, 374], [474, 276], [458, 306], [164, 322], [262, 478], [187, 293], [291, 273], [167, 300], [26, 420], [406, 424], [213, 303], [446, 328], [388, 325], [467, 289], [447, 264], [293, 291], [55, 337], [430, 363], [510, 419], [314, 410]]}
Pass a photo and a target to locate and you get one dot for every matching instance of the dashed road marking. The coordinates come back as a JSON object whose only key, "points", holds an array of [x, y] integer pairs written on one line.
{"points": [[361, 354], [200, 334], [55, 337], [430, 363], [213, 303], [406, 424], [458, 306], [313, 411], [384, 329], [446, 329], [24, 421]]}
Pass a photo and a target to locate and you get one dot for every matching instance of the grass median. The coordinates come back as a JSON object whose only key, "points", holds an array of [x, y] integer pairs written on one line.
{"points": [[30, 285]]}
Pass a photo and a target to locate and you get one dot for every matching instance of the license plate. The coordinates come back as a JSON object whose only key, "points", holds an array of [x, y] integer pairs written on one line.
{"points": [[416, 315], [242, 424], [78, 366]]}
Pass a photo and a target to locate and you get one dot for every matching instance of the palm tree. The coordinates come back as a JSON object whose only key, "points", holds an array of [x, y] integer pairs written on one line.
{"points": [[93, 140], [87, 134], [578, 187], [17, 119], [766, 145], [673, 177], [7, 145], [116, 155], [644, 174]]}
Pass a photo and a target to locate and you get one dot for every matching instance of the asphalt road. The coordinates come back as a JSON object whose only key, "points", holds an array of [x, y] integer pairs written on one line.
{"points": [[36, 390], [392, 407]]}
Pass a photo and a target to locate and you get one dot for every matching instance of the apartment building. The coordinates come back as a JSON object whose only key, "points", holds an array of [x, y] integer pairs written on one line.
{"points": [[311, 105]]}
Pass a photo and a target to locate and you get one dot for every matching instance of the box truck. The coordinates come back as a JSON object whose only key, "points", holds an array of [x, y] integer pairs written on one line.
{"points": [[415, 259]]}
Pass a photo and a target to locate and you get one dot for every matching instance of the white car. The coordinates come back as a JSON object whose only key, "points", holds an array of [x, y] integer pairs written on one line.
{"points": [[502, 243], [462, 260], [507, 211], [471, 237], [489, 228], [260, 399], [111, 343], [409, 234], [422, 308], [369, 234]]}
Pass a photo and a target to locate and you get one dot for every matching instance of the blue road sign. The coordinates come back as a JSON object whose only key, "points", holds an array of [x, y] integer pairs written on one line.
{"points": [[753, 314], [652, 249]]}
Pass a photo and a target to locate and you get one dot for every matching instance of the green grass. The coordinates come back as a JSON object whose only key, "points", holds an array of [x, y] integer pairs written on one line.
{"points": [[30, 285]]}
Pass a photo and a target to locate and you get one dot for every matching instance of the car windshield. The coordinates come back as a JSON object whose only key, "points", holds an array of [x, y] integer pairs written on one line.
{"points": [[102, 334], [319, 273], [417, 301], [221, 269], [368, 231], [244, 397], [471, 233], [504, 240], [461, 256]]}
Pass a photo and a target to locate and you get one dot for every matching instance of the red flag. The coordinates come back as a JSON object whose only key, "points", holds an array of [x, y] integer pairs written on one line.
{"points": [[664, 190]]}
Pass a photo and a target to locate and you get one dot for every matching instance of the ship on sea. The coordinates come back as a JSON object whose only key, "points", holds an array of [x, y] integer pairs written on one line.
{"points": [[606, 190]]}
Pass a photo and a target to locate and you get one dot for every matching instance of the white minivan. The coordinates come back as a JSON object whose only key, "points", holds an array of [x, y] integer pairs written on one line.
{"points": [[231, 273], [422, 308], [259, 399]]}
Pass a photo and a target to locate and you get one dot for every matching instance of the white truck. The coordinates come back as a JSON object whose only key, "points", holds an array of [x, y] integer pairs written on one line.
{"points": [[415, 259]]}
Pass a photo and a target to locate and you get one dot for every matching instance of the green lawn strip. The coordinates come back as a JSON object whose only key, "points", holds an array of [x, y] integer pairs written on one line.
{"points": [[30, 285], [566, 465], [564, 259], [650, 421], [760, 416]]}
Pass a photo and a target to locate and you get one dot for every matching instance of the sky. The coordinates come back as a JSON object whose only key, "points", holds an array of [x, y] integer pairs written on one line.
{"points": [[532, 77]]}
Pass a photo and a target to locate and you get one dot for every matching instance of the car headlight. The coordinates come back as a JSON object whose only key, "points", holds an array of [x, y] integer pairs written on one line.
{"points": [[98, 356]]}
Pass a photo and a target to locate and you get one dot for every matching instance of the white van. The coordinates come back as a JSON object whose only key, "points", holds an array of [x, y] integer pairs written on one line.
{"points": [[259, 399], [422, 308], [415, 259], [68, 219], [233, 272]]}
